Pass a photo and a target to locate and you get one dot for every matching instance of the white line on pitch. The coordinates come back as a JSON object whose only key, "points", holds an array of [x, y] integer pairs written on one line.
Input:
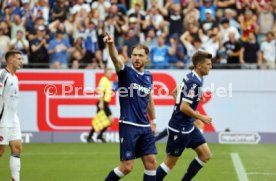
{"points": [[260, 173], [241, 173]]}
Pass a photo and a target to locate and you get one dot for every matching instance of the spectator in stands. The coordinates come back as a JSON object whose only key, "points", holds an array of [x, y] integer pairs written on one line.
{"points": [[39, 21], [103, 7], [80, 58], [57, 49], [131, 39], [250, 52], [224, 4], [226, 29], [175, 18], [233, 50], [151, 39], [209, 23], [248, 24], [119, 22], [211, 43], [155, 17], [41, 9], [177, 60], [91, 39], [81, 5], [60, 11], [266, 21], [160, 55], [20, 43], [5, 27], [16, 25], [39, 49], [191, 45], [230, 14], [191, 15], [267, 56], [207, 4], [242, 5], [27, 15], [137, 12], [4, 44]]}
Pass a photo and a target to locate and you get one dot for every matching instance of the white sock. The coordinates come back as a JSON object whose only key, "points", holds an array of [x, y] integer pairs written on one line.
{"points": [[15, 167], [165, 167], [150, 172], [118, 172]]}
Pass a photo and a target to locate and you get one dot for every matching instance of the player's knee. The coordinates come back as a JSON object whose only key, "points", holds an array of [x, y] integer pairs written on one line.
{"points": [[127, 168], [150, 164], [17, 149], [206, 157]]}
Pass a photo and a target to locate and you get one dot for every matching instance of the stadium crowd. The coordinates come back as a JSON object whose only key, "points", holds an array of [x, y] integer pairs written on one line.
{"points": [[69, 33]]}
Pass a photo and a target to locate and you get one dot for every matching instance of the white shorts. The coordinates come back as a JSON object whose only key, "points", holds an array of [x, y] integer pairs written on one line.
{"points": [[8, 134]]}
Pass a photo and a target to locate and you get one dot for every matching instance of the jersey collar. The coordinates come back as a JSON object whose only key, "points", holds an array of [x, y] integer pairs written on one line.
{"points": [[197, 76], [140, 73]]}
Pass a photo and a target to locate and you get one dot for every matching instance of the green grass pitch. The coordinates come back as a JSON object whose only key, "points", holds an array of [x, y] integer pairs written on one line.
{"points": [[91, 162]]}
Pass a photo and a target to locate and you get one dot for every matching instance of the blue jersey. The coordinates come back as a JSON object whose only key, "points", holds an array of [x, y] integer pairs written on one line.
{"points": [[134, 89], [189, 91]]}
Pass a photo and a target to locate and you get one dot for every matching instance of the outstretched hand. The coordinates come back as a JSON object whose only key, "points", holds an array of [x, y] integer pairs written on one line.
{"points": [[107, 38]]}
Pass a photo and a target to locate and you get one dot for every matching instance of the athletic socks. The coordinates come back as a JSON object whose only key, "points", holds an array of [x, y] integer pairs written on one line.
{"points": [[161, 135], [149, 175], [15, 166], [114, 175], [162, 171], [194, 167]]}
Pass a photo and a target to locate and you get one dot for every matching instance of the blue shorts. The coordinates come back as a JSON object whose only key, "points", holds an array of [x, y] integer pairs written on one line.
{"points": [[135, 142], [178, 141]]}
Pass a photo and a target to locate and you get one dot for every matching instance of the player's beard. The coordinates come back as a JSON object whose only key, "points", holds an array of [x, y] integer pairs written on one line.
{"points": [[138, 64]]}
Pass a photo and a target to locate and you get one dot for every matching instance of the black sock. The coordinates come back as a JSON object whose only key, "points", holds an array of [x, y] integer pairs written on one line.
{"points": [[90, 134], [149, 175], [100, 136], [161, 172], [194, 167], [114, 175], [161, 135]]}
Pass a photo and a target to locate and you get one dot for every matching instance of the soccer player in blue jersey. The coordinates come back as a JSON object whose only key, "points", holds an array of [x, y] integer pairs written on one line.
{"points": [[136, 133], [182, 132]]}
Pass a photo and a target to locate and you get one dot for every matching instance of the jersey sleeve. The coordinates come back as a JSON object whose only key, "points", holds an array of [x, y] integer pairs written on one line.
{"points": [[189, 92], [3, 78]]}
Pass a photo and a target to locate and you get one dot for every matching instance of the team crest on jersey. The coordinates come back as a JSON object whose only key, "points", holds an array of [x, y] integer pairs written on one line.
{"points": [[191, 93], [175, 137]]}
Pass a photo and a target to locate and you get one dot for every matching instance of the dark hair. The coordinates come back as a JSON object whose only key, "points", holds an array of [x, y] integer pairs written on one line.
{"points": [[224, 21], [200, 56], [11, 53], [140, 46]]}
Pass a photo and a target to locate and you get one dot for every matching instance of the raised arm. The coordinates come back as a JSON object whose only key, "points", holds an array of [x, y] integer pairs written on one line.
{"points": [[118, 63]]}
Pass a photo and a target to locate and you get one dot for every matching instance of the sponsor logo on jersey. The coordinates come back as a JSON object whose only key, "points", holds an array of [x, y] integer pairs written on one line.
{"points": [[140, 88]]}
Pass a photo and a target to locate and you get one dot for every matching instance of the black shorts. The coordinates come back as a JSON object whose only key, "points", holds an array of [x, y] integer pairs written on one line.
{"points": [[177, 142], [106, 108]]}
